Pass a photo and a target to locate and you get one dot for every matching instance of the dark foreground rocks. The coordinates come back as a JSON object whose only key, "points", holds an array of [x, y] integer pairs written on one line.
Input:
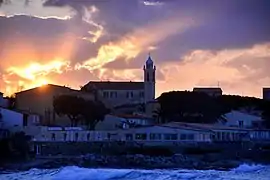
{"points": [[128, 161], [201, 158]]}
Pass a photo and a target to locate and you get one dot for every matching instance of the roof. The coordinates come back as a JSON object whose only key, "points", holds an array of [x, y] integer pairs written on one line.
{"points": [[131, 116], [204, 126], [207, 89], [238, 115], [20, 111], [48, 85], [114, 85]]}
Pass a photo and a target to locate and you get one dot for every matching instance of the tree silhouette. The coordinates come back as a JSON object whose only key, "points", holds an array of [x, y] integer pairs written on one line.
{"points": [[70, 106], [93, 112], [79, 109], [194, 107]]}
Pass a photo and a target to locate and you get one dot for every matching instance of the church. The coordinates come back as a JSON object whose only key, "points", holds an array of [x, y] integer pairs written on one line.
{"points": [[117, 93]]}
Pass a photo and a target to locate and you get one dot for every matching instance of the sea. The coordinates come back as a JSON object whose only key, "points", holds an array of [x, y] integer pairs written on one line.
{"points": [[243, 172]]}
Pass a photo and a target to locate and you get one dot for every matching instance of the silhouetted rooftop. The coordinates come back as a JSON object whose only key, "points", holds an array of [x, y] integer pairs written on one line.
{"points": [[114, 85]]}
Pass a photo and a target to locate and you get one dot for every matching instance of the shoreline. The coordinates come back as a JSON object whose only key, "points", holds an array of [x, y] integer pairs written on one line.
{"points": [[128, 162]]}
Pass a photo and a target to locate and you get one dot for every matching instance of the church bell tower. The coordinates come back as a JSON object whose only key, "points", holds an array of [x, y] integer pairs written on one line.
{"points": [[149, 80]]}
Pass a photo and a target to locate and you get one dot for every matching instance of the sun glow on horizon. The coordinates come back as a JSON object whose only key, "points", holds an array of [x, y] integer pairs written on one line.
{"points": [[33, 75]]}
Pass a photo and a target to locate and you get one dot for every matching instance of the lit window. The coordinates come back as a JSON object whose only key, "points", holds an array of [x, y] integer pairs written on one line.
{"points": [[141, 136]]}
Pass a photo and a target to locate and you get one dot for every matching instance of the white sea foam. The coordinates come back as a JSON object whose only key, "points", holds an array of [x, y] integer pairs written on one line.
{"points": [[243, 172]]}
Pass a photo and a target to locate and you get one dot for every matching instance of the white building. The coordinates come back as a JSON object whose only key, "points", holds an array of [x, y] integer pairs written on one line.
{"points": [[116, 122], [16, 121], [242, 120], [118, 93]]}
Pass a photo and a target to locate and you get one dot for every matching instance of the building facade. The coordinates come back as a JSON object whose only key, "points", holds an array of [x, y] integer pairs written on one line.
{"points": [[40, 101], [16, 120], [266, 93], [241, 120], [118, 93]]}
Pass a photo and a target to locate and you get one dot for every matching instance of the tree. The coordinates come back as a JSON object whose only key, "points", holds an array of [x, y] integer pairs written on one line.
{"points": [[79, 109], [71, 106], [193, 107], [94, 112]]}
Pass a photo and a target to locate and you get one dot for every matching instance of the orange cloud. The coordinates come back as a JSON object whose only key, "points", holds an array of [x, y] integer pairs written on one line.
{"points": [[238, 71], [88, 17], [134, 43], [32, 75]]}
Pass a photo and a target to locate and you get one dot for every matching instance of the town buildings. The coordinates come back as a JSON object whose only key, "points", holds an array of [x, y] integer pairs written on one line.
{"points": [[40, 101], [14, 120], [241, 120], [119, 93]]}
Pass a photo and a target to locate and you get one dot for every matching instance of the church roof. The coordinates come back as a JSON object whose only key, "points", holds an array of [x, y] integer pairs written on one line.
{"points": [[114, 85]]}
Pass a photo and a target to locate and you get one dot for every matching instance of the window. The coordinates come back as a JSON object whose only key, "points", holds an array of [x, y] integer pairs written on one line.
{"points": [[25, 119], [141, 94], [147, 77], [127, 95], [170, 136], [183, 136], [190, 136], [241, 123], [141, 136], [111, 94], [155, 136], [154, 76], [129, 137], [65, 136], [76, 136], [115, 94], [88, 136], [131, 94], [187, 136], [53, 136], [105, 94]]}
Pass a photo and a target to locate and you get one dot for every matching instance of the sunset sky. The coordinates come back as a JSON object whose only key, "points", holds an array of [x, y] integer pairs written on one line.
{"points": [[192, 42]]}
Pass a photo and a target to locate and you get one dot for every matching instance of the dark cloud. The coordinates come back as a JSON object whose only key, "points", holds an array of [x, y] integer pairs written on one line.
{"points": [[47, 37]]}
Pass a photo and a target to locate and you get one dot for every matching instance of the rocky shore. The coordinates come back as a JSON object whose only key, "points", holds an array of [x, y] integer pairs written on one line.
{"points": [[218, 157], [200, 162]]}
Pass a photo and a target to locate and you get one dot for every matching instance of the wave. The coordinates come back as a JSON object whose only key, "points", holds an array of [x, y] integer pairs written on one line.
{"points": [[249, 168], [244, 171]]}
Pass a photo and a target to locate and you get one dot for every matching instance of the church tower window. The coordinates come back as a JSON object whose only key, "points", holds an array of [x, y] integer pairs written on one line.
{"points": [[147, 77]]}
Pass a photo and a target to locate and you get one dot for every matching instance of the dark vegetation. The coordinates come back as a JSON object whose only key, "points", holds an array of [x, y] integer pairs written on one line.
{"points": [[15, 148], [201, 150], [195, 107], [79, 110]]}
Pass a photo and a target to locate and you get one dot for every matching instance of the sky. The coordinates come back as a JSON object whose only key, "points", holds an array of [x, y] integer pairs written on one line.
{"points": [[194, 43]]}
